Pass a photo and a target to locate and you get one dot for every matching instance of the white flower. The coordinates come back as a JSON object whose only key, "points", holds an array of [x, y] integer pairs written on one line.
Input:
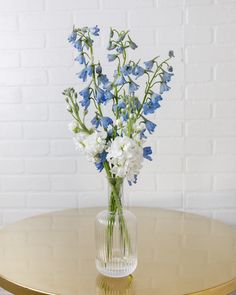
{"points": [[91, 144], [73, 127], [125, 157]]}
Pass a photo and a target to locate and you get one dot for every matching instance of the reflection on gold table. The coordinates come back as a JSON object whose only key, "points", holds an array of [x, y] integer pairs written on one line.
{"points": [[179, 253]]}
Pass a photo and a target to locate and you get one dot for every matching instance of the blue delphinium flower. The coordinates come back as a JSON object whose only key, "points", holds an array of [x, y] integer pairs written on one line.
{"points": [[90, 70], [106, 121], [85, 93], [72, 37], [102, 79], [134, 180], [78, 45], [95, 31], [149, 64], [142, 134], [150, 126], [100, 97], [138, 71], [155, 98], [108, 95], [170, 68], [83, 74], [101, 160], [80, 58], [85, 102], [132, 45], [120, 81], [133, 87], [111, 57], [164, 87], [121, 105], [147, 151], [126, 70], [150, 107], [171, 53], [120, 49], [167, 76], [96, 121], [98, 69]]}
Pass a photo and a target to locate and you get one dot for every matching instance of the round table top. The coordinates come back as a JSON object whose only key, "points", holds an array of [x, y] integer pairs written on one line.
{"points": [[178, 253]]}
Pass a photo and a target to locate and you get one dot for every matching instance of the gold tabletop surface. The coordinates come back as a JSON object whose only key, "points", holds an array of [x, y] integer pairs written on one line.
{"points": [[178, 253]]}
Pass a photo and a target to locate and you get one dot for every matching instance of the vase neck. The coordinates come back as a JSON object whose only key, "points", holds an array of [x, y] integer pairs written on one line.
{"points": [[115, 194]]}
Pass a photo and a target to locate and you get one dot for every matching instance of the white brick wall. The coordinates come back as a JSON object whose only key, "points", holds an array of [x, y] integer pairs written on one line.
{"points": [[195, 144]]}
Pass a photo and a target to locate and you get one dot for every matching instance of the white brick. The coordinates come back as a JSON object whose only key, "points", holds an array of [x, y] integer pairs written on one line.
{"points": [[22, 5], [57, 111], [63, 76], [115, 18], [197, 2], [170, 128], [24, 148], [227, 216], [225, 109], [211, 91], [47, 58], [216, 127], [71, 5], [168, 164], [10, 95], [197, 182], [12, 200], [11, 166], [170, 35], [8, 22], [198, 146], [23, 112], [131, 4], [225, 72], [194, 73], [43, 94], [225, 146], [50, 166], [214, 14], [25, 183], [57, 39], [219, 163], [21, 41], [170, 146], [10, 130], [197, 110], [211, 200], [45, 21], [197, 35], [225, 182], [226, 33], [210, 54], [63, 148], [171, 110], [169, 3], [9, 59], [155, 17], [84, 166], [22, 77], [46, 130], [77, 183], [52, 200], [160, 200], [93, 199], [170, 182]]}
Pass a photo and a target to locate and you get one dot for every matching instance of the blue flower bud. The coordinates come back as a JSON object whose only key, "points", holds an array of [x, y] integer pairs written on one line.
{"points": [[95, 31], [72, 37], [164, 87], [147, 151], [111, 57], [99, 69], [149, 64], [80, 58], [78, 45], [171, 53]]}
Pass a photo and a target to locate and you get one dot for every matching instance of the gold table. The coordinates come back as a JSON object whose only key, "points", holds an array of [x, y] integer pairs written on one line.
{"points": [[178, 253]]}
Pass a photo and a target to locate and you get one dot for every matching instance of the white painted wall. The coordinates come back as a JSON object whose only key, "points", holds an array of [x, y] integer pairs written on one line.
{"points": [[195, 144]]}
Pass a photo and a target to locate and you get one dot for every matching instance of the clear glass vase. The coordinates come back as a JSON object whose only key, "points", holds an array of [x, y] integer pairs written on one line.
{"points": [[116, 235]]}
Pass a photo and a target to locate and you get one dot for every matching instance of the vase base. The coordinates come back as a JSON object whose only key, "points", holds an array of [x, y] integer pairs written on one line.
{"points": [[117, 268]]}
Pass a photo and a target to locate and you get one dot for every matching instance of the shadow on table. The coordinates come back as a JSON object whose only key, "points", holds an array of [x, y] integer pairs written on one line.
{"points": [[114, 286]]}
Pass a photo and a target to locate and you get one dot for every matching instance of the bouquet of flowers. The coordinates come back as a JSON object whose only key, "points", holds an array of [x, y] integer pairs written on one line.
{"points": [[114, 140]]}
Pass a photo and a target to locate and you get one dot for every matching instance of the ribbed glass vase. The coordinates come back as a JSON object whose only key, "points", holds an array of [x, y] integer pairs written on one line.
{"points": [[116, 235]]}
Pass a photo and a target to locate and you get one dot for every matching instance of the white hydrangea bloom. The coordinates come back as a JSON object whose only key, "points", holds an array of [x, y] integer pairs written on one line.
{"points": [[125, 157], [91, 144], [73, 126]]}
